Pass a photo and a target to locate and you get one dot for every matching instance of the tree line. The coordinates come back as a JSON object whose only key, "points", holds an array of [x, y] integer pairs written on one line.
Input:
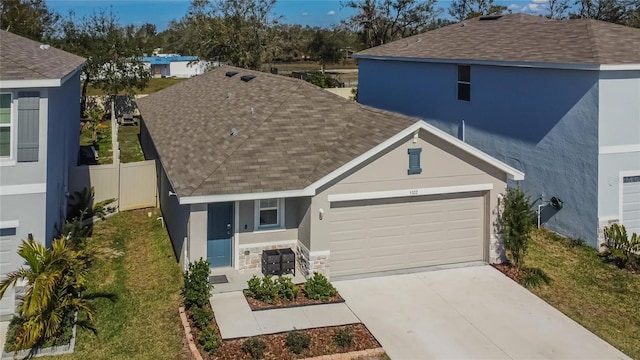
{"points": [[247, 33]]}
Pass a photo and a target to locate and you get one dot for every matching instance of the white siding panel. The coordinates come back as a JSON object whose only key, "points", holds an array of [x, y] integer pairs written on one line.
{"points": [[631, 206]]}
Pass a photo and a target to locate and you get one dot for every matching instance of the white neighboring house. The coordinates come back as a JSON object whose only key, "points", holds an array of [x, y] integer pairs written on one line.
{"points": [[39, 128], [174, 65]]}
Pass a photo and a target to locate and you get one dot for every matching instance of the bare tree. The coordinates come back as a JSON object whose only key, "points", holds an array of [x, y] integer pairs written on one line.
{"points": [[467, 9], [381, 21], [558, 9]]}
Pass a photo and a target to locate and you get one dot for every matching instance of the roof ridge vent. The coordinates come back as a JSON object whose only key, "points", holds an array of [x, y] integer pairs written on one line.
{"points": [[231, 73], [489, 17], [247, 78]]}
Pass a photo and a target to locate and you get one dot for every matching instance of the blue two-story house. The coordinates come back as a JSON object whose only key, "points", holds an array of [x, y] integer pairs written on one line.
{"points": [[558, 100], [39, 141]]}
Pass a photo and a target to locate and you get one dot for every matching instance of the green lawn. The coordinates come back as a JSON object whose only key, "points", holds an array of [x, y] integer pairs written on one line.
{"points": [[103, 144], [143, 323], [599, 296], [130, 150], [155, 85]]}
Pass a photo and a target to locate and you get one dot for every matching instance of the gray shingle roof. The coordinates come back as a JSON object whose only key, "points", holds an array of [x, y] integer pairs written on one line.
{"points": [[290, 133], [522, 38], [23, 59]]}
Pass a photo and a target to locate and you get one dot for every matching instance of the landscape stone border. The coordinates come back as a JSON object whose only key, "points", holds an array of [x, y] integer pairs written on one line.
{"points": [[339, 356], [349, 355], [187, 333], [48, 351]]}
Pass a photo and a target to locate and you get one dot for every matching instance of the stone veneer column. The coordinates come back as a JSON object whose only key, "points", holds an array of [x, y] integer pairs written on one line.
{"points": [[251, 258], [310, 264]]}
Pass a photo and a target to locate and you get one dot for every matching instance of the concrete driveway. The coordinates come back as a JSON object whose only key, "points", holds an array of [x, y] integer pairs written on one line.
{"points": [[467, 313]]}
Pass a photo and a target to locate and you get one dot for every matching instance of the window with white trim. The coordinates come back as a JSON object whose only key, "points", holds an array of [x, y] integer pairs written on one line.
{"points": [[269, 214], [464, 82], [5, 125]]}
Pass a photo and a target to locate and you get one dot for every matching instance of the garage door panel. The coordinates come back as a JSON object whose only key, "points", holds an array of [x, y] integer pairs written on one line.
{"points": [[350, 245], [433, 231], [631, 204], [398, 250]]}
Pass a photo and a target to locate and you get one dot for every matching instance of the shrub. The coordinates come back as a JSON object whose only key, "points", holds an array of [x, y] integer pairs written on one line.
{"points": [[265, 289], [515, 224], [533, 277], [196, 284], [201, 317], [318, 287], [297, 341], [254, 287], [287, 290], [254, 346], [343, 337], [209, 341], [321, 79], [624, 250]]}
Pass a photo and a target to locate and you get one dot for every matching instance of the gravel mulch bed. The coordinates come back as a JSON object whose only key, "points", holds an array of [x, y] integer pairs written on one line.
{"points": [[510, 271], [321, 343], [300, 300]]}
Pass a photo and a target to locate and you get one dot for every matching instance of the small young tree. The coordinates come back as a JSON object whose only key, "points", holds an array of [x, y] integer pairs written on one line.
{"points": [[516, 224], [196, 284], [95, 115]]}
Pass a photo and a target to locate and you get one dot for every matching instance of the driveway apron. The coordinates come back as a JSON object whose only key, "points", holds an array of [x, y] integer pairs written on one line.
{"points": [[467, 313]]}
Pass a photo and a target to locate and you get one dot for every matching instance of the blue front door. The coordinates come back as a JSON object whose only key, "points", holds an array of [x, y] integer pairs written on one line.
{"points": [[219, 234]]}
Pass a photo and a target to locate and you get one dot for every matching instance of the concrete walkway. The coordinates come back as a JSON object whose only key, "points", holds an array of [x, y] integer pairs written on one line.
{"points": [[235, 319], [467, 313]]}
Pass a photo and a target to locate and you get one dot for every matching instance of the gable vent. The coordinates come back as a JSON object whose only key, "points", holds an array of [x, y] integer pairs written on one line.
{"points": [[247, 78], [231, 73], [490, 17]]}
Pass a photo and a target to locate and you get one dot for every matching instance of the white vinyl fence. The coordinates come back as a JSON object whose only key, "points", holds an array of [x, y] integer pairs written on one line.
{"points": [[133, 185]]}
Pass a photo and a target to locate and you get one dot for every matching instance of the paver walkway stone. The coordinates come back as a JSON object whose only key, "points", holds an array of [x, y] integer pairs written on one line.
{"points": [[235, 318]]}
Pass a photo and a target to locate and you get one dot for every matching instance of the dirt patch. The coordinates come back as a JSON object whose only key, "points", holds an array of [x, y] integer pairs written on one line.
{"points": [[510, 271], [300, 300]]}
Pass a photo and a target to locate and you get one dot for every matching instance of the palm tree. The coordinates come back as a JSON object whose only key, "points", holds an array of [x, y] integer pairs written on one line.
{"points": [[55, 280]]}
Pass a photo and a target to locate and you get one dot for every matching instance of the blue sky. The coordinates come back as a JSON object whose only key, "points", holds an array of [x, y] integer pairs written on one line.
{"points": [[306, 12]]}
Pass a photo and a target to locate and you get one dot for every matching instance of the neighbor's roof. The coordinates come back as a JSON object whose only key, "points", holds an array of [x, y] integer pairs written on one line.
{"points": [[24, 59], [289, 133], [166, 60], [520, 38]]}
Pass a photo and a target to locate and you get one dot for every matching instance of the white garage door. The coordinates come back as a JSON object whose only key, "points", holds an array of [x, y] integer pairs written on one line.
{"points": [[631, 204], [402, 233]]}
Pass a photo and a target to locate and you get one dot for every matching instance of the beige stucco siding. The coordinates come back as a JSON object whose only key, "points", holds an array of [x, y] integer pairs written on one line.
{"points": [[304, 227], [294, 211], [197, 237], [443, 165]]}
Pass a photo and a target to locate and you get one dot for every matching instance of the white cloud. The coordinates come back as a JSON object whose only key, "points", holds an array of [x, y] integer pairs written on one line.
{"points": [[535, 7], [514, 7], [539, 1], [305, 13], [331, 13]]}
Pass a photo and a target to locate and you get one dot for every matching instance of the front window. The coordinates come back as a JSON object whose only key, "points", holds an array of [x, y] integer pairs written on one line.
{"points": [[5, 125], [269, 213], [464, 82]]}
